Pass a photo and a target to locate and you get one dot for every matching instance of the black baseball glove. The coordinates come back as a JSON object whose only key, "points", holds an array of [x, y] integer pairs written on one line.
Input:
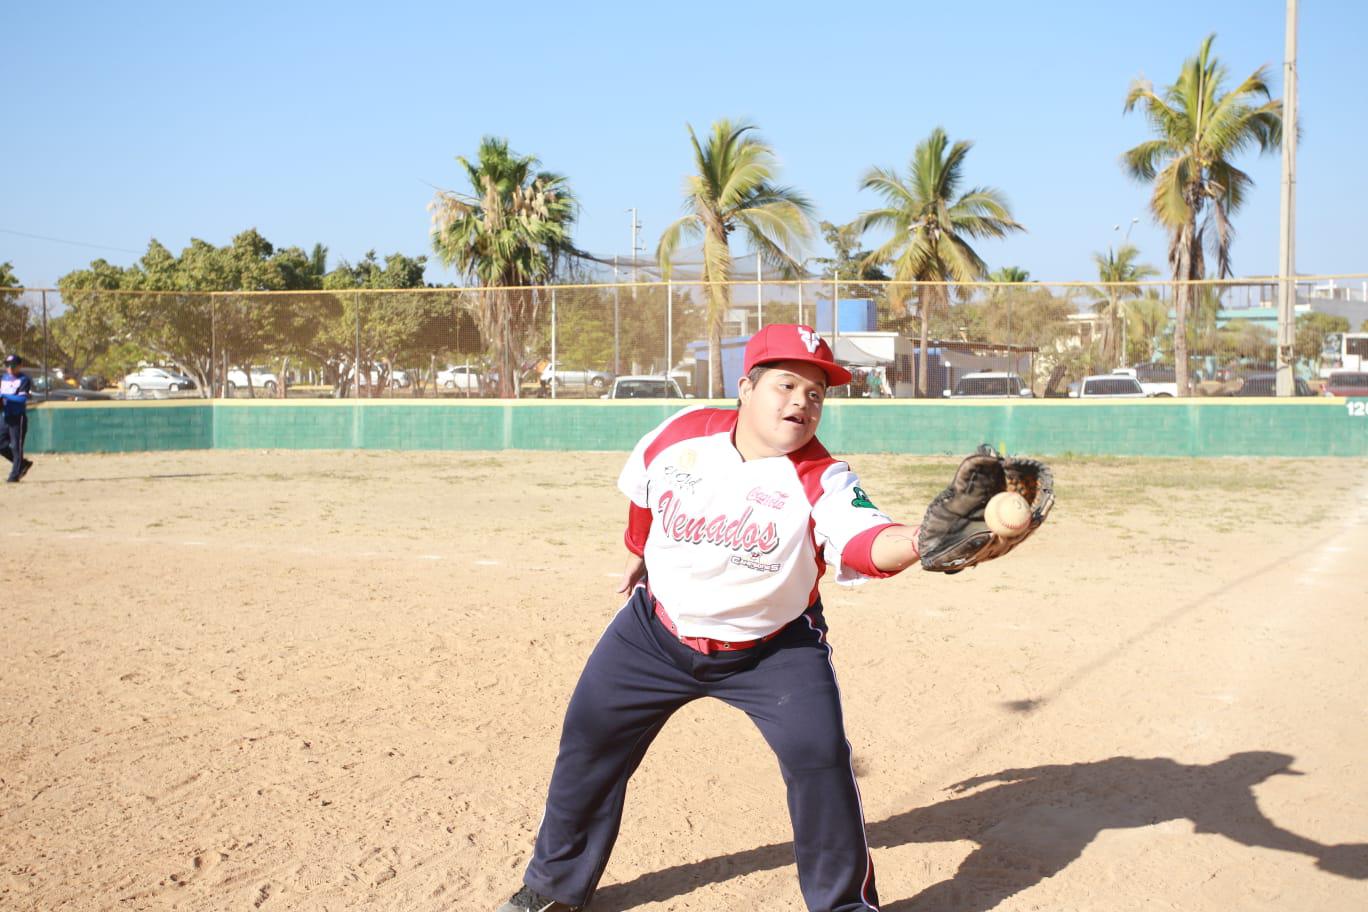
{"points": [[953, 534]]}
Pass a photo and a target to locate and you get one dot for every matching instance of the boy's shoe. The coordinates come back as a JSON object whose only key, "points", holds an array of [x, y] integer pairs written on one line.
{"points": [[529, 900], [24, 467]]}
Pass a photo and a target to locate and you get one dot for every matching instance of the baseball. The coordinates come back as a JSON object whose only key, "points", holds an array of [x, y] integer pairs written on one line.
{"points": [[1008, 514]]}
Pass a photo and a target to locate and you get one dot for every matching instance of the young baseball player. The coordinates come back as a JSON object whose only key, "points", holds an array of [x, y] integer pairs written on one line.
{"points": [[734, 517], [15, 387]]}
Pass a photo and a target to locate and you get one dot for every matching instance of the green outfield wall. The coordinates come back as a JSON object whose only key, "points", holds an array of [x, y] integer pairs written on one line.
{"points": [[1151, 427]]}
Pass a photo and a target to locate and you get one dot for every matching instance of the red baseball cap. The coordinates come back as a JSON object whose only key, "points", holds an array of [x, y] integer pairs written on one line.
{"points": [[794, 342]]}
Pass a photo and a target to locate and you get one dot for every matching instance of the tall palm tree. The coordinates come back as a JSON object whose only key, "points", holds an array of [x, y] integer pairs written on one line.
{"points": [[733, 189], [932, 226], [1200, 127], [1118, 272], [512, 231]]}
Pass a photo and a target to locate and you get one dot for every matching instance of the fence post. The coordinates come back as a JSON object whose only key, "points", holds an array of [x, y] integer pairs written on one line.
{"points": [[800, 300], [356, 369], [555, 365], [835, 309], [45, 342], [669, 335], [617, 347], [213, 349], [759, 295]]}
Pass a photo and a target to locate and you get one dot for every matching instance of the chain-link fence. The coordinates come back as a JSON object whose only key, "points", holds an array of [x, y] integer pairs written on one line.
{"points": [[685, 336]]}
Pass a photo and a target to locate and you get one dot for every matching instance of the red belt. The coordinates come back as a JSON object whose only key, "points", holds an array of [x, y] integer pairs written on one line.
{"points": [[706, 645]]}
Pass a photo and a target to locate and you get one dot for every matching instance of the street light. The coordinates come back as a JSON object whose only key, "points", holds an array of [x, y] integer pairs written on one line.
{"points": [[1128, 229]]}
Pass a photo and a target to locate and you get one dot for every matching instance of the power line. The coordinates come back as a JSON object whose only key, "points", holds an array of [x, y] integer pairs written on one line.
{"points": [[43, 237]]}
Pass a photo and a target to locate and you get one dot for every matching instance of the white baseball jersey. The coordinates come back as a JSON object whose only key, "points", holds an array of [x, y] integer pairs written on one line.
{"points": [[735, 547]]}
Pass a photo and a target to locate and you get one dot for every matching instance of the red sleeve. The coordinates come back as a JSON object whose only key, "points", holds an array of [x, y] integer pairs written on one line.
{"points": [[638, 527], [858, 554]]}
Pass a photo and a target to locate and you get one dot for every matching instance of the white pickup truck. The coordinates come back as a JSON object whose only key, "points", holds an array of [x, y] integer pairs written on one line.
{"points": [[1157, 380]]}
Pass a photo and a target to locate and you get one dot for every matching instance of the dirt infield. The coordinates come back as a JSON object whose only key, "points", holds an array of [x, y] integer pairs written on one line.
{"points": [[323, 681]]}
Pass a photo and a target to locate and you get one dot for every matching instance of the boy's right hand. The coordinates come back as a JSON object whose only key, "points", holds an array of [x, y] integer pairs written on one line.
{"points": [[633, 573]]}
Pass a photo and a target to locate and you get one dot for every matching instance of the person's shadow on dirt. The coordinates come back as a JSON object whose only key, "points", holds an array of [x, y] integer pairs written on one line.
{"points": [[1034, 822]]}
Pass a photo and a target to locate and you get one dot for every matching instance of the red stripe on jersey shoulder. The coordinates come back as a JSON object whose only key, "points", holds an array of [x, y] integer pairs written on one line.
{"points": [[703, 422], [810, 461]]}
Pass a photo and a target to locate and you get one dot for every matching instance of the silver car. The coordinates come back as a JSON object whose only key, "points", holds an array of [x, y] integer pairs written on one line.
{"points": [[155, 379]]}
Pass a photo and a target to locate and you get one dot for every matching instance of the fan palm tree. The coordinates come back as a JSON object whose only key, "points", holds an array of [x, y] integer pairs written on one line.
{"points": [[733, 189], [1118, 272], [1200, 128], [932, 226], [512, 231]]}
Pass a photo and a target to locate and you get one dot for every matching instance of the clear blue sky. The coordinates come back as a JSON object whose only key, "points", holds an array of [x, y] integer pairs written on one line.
{"points": [[331, 122]]}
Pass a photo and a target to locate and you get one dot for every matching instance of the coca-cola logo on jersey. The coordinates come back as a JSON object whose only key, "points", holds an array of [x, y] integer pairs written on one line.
{"points": [[740, 534]]}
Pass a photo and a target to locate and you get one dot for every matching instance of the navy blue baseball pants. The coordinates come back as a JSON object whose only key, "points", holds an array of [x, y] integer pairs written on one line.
{"points": [[15, 429], [636, 677]]}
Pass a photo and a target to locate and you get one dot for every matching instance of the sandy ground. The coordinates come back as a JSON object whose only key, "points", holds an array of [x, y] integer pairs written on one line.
{"points": [[314, 681]]}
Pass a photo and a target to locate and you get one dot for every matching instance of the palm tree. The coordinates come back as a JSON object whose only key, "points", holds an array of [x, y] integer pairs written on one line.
{"points": [[1200, 128], [1118, 271], [1147, 318], [932, 226], [732, 190], [513, 231], [1009, 274]]}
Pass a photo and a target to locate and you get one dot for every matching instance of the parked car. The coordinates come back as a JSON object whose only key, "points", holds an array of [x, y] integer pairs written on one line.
{"points": [[563, 378], [67, 394], [645, 387], [1267, 385], [1347, 383], [261, 379], [40, 382], [94, 382], [1159, 380], [1109, 386], [395, 379], [460, 378], [985, 384], [155, 379]]}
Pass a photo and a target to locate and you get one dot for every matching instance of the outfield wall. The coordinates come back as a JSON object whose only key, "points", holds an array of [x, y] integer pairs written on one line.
{"points": [[1150, 427]]}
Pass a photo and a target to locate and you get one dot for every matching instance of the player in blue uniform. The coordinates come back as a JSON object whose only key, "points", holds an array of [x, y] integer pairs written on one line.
{"points": [[15, 388]]}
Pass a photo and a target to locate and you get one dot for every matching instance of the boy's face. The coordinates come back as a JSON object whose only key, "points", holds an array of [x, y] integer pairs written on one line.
{"points": [[781, 410]]}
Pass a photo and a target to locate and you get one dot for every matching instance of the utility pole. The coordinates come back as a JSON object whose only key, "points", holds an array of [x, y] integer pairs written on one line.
{"points": [[617, 322], [635, 226], [633, 256], [1287, 232]]}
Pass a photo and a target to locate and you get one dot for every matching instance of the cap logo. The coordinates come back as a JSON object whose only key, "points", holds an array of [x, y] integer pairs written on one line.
{"points": [[810, 338]]}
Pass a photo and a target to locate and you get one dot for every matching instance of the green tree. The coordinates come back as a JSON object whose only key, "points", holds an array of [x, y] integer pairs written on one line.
{"points": [[733, 189], [1196, 188], [1315, 332], [1118, 271], [159, 304], [14, 316], [86, 330], [390, 330], [849, 261], [512, 231], [931, 227]]}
